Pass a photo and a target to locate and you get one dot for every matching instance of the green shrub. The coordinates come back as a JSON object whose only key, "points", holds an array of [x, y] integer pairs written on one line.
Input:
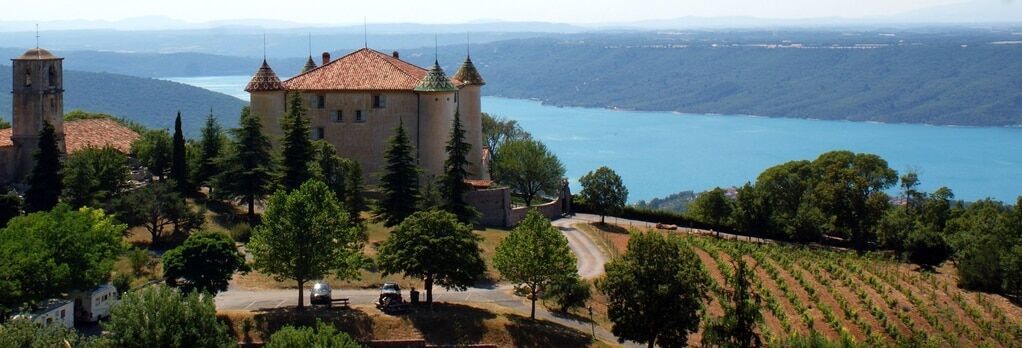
{"points": [[322, 336], [568, 293], [121, 281], [241, 232], [139, 260]]}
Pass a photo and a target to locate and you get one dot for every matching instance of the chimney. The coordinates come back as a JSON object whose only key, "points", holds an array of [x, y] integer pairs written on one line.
{"points": [[326, 58], [396, 55]]}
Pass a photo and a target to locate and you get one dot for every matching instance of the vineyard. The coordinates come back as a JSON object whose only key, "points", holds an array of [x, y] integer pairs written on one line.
{"points": [[868, 300]]}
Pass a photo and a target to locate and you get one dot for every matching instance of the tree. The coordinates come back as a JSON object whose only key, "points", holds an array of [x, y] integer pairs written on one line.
{"points": [[568, 293], [305, 235], [453, 187], [248, 166], [211, 144], [10, 207], [926, 248], [400, 182], [712, 207], [44, 183], [178, 164], [46, 254], [205, 262], [604, 191], [94, 175], [322, 335], [435, 247], [156, 207], [497, 131], [4, 124], [160, 316], [23, 333], [980, 234], [342, 175], [1011, 263], [737, 328], [529, 169], [849, 193], [655, 291], [153, 151], [535, 255], [296, 148]]}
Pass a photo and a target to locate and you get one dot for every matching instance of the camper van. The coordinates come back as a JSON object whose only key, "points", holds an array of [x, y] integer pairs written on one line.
{"points": [[50, 312], [91, 306]]}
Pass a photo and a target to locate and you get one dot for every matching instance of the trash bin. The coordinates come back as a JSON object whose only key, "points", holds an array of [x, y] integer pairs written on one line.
{"points": [[414, 295]]}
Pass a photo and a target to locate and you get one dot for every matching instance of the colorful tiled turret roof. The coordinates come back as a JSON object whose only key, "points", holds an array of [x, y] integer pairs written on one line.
{"points": [[264, 80], [309, 65], [468, 75], [436, 81]]}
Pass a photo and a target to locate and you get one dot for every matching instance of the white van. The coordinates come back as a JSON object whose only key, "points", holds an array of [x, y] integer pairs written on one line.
{"points": [[91, 306], [50, 312]]}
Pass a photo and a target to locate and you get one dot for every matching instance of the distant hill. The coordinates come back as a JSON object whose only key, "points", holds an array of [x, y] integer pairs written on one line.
{"points": [[933, 75], [153, 103]]}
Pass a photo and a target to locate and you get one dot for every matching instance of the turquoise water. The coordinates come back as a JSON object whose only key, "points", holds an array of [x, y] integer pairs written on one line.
{"points": [[659, 153]]}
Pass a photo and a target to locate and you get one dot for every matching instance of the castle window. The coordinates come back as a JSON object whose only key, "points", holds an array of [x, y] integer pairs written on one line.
{"points": [[318, 133], [359, 117], [28, 78], [320, 101], [52, 78], [379, 102], [338, 116]]}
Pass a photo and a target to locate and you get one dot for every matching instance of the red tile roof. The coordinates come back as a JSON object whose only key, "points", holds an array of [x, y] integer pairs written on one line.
{"points": [[365, 69], [83, 134]]}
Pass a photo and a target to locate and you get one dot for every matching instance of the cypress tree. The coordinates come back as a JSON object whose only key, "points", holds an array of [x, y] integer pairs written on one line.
{"points": [[178, 164], [400, 182], [211, 144], [296, 147], [453, 185], [45, 180], [247, 173]]}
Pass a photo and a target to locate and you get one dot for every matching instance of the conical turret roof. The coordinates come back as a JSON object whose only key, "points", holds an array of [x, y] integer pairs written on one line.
{"points": [[309, 65], [468, 75], [436, 81], [264, 80]]}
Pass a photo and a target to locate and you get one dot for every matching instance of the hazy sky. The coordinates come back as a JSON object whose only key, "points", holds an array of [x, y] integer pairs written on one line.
{"points": [[452, 11]]}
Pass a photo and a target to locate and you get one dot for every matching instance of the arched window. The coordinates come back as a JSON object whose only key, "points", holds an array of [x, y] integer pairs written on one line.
{"points": [[53, 76], [28, 78]]}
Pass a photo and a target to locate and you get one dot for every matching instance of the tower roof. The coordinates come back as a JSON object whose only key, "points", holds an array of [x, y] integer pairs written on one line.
{"points": [[468, 75], [309, 65], [37, 54], [435, 81], [264, 80]]}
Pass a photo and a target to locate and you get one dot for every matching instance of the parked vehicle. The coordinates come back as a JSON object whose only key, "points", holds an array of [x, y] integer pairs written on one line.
{"points": [[320, 294], [390, 300], [93, 305], [52, 311]]}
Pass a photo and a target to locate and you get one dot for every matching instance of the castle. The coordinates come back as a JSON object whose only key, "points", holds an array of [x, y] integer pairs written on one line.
{"points": [[357, 101], [38, 97]]}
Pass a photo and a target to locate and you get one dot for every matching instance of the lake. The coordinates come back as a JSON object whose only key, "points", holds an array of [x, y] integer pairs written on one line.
{"points": [[659, 153]]}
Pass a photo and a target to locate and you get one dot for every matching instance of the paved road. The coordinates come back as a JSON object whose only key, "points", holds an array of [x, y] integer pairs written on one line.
{"points": [[590, 258]]}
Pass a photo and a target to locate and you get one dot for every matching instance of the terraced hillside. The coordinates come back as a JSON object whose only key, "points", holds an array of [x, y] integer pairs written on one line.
{"points": [[842, 296]]}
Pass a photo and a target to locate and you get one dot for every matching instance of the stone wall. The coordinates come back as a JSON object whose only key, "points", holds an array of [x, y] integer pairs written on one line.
{"points": [[493, 205]]}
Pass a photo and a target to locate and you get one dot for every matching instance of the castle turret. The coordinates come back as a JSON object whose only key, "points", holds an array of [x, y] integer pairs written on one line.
{"points": [[436, 107], [309, 65], [38, 97], [470, 84], [267, 98]]}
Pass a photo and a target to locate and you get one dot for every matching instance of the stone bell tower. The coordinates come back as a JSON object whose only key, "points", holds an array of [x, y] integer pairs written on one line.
{"points": [[38, 97]]}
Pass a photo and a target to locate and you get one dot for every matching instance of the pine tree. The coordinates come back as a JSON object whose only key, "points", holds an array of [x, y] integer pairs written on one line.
{"points": [[453, 185], [178, 164], [297, 148], [737, 328], [45, 180], [400, 182], [211, 144], [247, 173]]}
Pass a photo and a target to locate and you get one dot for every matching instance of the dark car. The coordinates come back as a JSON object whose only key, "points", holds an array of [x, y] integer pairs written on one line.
{"points": [[320, 294]]}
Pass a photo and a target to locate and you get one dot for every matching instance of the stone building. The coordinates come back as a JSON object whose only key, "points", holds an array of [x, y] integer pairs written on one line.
{"points": [[357, 101], [38, 97]]}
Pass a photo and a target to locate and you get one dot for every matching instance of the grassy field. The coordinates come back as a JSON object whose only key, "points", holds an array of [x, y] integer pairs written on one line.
{"points": [[372, 278], [868, 299], [447, 324]]}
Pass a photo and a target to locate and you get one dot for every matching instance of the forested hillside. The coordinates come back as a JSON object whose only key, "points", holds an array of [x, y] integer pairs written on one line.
{"points": [[151, 102]]}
